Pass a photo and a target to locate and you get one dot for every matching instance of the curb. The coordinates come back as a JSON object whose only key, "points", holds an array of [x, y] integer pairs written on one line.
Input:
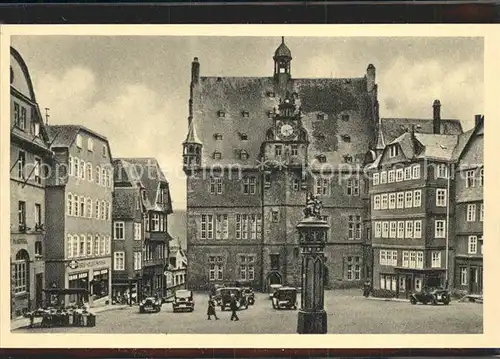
{"points": [[389, 299], [24, 322]]}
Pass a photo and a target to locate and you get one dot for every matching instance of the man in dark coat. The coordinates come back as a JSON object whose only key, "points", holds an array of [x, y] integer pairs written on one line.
{"points": [[211, 309], [234, 307]]}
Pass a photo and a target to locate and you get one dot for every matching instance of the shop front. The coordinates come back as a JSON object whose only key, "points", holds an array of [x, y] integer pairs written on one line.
{"points": [[406, 281], [90, 274]]}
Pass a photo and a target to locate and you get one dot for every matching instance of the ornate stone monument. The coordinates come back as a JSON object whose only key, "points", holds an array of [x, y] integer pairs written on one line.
{"points": [[313, 231]]}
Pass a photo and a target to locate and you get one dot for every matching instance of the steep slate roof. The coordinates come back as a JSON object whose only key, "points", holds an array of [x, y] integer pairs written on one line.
{"points": [[463, 139], [149, 173], [438, 147], [124, 202], [395, 127], [233, 95]]}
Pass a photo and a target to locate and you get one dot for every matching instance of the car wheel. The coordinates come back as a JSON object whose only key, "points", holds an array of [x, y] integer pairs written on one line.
{"points": [[413, 301], [434, 301], [446, 301]]}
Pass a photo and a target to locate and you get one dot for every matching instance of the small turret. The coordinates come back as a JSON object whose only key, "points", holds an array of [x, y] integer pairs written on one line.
{"points": [[191, 149], [282, 63], [195, 71]]}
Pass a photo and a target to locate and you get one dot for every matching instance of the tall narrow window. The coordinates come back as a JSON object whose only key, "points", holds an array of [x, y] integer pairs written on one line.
{"points": [[471, 212], [469, 179], [119, 230], [38, 214], [353, 187], [207, 225], [439, 228], [21, 162], [119, 261], [440, 197], [38, 164], [22, 215]]}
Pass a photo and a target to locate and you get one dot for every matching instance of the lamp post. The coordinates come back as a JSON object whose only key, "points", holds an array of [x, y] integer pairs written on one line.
{"points": [[313, 231]]}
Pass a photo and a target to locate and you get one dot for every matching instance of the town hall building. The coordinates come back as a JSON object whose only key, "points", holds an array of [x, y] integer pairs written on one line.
{"points": [[255, 147]]}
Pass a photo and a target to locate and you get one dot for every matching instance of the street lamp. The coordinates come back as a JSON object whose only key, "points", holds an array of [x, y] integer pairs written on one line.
{"points": [[312, 318]]}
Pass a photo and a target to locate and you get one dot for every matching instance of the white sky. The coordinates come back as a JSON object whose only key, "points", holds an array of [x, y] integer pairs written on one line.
{"points": [[135, 90]]}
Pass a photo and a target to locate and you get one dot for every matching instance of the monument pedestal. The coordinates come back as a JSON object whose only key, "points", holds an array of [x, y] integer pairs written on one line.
{"points": [[312, 322]]}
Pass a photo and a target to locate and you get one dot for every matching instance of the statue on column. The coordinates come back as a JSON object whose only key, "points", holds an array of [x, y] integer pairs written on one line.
{"points": [[313, 206]]}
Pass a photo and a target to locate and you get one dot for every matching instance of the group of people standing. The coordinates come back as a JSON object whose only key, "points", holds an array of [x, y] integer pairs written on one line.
{"points": [[233, 305]]}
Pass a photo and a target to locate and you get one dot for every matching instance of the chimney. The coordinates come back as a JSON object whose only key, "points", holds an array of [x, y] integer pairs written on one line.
{"points": [[477, 119], [195, 71], [370, 78], [436, 124]]}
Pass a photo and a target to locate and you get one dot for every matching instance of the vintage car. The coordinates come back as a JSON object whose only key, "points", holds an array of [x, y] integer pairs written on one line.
{"points": [[285, 297], [150, 304], [225, 298], [249, 294], [273, 288], [431, 295], [183, 300]]}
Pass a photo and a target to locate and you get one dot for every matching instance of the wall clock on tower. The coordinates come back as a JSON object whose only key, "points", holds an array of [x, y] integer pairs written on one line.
{"points": [[286, 131]]}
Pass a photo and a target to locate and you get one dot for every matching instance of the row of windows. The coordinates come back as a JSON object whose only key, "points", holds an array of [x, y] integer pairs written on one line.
{"points": [[399, 229], [399, 175], [410, 259], [21, 215], [470, 178], [407, 229], [86, 207], [152, 252], [407, 199], [248, 187], [34, 171], [79, 168], [90, 144], [246, 267], [471, 212], [119, 231], [247, 226], [89, 245], [322, 187], [21, 119]]}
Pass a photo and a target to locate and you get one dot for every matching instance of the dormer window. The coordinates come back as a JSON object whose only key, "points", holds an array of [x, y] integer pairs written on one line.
{"points": [[217, 155], [90, 144], [346, 138], [218, 136], [348, 158], [321, 158], [393, 151], [243, 155], [36, 128], [243, 136], [221, 113], [79, 141], [245, 113], [345, 117], [104, 151], [271, 94]]}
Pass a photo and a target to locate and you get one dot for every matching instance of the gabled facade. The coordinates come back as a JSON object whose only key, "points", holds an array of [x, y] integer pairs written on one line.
{"points": [[469, 192], [415, 191], [129, 217], [177, 266], [30, 159], [158, 205], [79, 212], [255, 148]]}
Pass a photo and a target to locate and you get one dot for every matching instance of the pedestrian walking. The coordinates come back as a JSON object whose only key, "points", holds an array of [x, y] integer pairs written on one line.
{"points": [[234, 307], [211, 309], [367, 288]]}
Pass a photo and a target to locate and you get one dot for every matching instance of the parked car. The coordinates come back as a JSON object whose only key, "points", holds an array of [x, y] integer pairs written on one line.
{"points": [[285, 297], [225, 298], [249, 294], [183, 300], [150, 304], [273, 288], [431, 295]]}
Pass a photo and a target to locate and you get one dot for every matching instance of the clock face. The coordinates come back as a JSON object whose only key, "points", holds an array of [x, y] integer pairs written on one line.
{"points": [[286, 130]]}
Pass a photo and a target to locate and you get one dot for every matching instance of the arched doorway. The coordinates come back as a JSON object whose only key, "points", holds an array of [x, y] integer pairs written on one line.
{"points": [[273, 278]]}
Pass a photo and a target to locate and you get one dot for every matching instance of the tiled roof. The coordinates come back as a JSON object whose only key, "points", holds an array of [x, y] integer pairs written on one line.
{"points": [[439, 147], [283, 50], [235, 95], [124, 202], [394, 127], [150, 174], [407, 144], [64, 135], [463, 139]]}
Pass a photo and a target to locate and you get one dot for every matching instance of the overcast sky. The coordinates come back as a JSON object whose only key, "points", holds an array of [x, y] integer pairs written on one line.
{"points": [[135, 90]]}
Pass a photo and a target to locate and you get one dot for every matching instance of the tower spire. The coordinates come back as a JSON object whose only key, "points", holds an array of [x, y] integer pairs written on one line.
{"points": [[282, 39]]}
